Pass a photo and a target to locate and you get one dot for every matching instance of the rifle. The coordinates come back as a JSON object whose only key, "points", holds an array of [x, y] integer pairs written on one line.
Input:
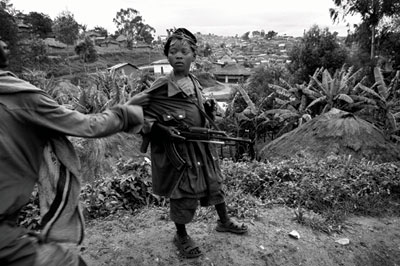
{"points": [[202, 134]]}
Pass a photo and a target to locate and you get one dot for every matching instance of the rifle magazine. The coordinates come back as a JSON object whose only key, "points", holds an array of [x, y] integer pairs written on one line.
{"points": [[173, 155]]}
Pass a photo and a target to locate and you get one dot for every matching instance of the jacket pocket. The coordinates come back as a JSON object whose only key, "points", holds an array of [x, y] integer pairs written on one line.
{"points": [[176, 115]]}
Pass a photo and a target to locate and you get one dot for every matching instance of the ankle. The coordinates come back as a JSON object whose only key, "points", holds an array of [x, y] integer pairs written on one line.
{"points": [[181, 230]]}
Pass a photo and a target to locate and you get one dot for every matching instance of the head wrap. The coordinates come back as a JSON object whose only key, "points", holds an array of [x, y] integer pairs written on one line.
{"points": [[181, 34]]}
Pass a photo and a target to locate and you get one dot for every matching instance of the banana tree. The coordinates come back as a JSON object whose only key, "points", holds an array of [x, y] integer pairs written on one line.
{"points": [[337, 91], [385, 101]]}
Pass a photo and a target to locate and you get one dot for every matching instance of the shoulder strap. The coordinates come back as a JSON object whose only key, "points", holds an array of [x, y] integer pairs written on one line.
{"points": [[197, 105]]}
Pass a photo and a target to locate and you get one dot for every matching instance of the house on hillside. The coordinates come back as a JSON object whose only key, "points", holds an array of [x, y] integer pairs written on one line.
{"points": [[231, 73], [226, 59], [161, 67], [123, 69], [122, 40], [53, 45]]}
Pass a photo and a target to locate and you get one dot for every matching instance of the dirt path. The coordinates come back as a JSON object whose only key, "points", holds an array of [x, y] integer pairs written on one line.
{"points": [[146, 239]]}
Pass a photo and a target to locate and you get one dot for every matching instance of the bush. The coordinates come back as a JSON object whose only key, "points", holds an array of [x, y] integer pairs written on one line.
{"points": [[333, 187], [129, 191], [322, 192]]}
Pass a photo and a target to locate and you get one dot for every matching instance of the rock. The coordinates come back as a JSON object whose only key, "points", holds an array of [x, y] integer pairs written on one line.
{"points": [[343, 241], [294, 234]]}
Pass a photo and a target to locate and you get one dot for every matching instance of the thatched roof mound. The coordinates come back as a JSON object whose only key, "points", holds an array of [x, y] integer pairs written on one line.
{"points": [[334, 133]]}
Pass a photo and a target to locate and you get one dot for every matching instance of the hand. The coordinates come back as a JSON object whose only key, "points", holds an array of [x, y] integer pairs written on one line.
{"points": [[161, 131], [141, 99], [210, 107]]}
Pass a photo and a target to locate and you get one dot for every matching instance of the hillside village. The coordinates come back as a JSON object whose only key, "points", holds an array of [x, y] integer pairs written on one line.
{"points": [[231, 58]]}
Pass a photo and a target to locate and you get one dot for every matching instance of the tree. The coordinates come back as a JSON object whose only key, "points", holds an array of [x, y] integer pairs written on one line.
{"points": [[102, 31], [8, 34], [371, 11], [41, 23], [207, 50], [259, 83], [337, 91], [131, 24], [383, 99], [8, 29], [66, 28], [86, 51], [145, 33], [317, 48], [271, 34], [34, 54], [388, 42], [245, 36], [5, 5]]}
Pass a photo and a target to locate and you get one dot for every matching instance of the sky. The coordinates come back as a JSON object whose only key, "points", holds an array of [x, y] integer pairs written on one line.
{"points": [[219, 17]]}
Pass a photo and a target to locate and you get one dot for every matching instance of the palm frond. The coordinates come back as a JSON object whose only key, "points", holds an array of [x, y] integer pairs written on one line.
{"points": [[360, 98], [382, 88], [247, 99], [392, 121], [395, 80], [370, 91], [280, 90], [282, 113], [319, 100], [310, 93], [396, 115], [344, 97]]}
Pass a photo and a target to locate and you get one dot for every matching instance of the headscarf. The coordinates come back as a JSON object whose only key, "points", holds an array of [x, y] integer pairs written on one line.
{"points": [[181, 34]]}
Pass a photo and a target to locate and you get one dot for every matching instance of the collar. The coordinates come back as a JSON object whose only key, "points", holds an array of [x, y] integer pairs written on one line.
{"points": [[173, 88]]}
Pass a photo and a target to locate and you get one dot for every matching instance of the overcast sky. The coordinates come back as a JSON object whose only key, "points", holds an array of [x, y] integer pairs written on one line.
{"points": [[220, 17]]}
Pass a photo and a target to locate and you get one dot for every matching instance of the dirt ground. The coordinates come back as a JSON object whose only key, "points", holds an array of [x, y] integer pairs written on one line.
{"points": [[146, 239]]}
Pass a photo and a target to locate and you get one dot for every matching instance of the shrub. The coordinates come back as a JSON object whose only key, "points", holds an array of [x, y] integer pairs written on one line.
{"points": [[322, 192], [129, 191], [332, 188]]}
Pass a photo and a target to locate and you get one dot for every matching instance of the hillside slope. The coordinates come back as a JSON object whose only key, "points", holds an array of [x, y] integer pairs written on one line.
{"points": [[146, 239], [69, 64]]}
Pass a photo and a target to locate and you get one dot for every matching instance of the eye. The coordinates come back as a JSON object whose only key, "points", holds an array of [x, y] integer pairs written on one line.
{"points": [[186, 51]]}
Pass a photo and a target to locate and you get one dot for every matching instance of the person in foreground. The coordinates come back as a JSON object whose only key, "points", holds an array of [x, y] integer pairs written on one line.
{"points": [[186, 171], [34, 149]]}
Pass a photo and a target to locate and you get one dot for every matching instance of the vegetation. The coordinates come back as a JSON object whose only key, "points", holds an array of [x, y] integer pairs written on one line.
{"points": [[86, 51], [322, 192], [318, 48], [41, 24], [131, 24], [65, 27], [371, 12]]}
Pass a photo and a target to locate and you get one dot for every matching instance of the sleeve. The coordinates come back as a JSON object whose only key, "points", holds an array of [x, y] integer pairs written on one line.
{"points": [[47, 113]]}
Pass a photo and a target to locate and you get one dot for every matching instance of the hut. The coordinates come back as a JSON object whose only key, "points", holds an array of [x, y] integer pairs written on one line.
{"points": [[334, 133], [124, 69]]}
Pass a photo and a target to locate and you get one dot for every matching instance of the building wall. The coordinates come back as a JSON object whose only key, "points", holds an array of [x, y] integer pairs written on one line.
{"points": [[162, 69]]}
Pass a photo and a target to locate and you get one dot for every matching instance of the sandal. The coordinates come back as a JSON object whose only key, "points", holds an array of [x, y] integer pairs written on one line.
{"points": [[232, 227], [187, 247]]}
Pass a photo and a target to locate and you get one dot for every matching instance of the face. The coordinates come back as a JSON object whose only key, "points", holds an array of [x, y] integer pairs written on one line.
{"points": [[180, 56], [4, 51]]}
